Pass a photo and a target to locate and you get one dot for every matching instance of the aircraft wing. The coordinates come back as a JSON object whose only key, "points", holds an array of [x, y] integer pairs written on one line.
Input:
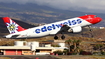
{"points": [[64, 28]]}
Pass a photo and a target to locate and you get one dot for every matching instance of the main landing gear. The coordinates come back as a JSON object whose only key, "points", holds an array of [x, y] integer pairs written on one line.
{"points": [[62, 37]]}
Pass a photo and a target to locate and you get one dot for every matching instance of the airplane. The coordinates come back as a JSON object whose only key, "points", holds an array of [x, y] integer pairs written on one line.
{"points": [[73, 25]]}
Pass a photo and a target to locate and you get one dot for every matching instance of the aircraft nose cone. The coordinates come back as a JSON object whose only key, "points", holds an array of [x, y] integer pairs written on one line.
{"points": [[97, 20], [94, 20], [100, 19]]}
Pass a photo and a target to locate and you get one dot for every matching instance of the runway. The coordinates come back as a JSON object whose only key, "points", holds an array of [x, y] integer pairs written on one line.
{"points": [[28, 57]]}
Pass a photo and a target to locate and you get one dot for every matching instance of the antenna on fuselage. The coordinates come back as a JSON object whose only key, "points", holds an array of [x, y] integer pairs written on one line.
{"points": [[85, 14]]}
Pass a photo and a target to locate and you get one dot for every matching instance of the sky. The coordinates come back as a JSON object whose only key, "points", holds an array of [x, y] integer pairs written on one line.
{"points": [[94, 6]]}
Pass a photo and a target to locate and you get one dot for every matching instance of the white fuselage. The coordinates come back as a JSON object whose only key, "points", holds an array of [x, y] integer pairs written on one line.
{"points": [[50, 29]]}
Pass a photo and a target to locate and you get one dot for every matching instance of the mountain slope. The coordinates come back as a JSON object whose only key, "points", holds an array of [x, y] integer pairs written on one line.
{"points": [[39, 14], [85, 33]]}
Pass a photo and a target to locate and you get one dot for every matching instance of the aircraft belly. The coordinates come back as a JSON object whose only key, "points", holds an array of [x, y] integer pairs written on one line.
{"points": [[39, 35]]}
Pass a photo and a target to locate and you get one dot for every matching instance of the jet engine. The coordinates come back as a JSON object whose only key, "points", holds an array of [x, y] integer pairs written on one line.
{"points": [[75, 29]]}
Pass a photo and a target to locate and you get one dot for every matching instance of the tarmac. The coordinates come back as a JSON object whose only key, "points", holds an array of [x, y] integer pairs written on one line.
{"points": [[28, 57]]}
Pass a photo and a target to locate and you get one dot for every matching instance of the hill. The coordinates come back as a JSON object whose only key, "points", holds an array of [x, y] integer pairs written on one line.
{"points": [[39, 14], [42, 14], [85, 33]]}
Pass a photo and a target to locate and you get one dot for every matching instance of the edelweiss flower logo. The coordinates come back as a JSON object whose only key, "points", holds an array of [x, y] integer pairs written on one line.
{"points": [[12, 26]]}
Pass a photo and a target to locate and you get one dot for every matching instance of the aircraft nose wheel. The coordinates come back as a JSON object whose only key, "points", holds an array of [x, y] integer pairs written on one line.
{"points": [[62, 37]]}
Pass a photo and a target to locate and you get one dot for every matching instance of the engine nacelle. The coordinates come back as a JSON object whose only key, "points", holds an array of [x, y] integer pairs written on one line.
{"points": [[75, 29]]}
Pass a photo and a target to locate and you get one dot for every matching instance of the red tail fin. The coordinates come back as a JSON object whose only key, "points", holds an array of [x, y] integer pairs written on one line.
{"points": [[12, 26]]}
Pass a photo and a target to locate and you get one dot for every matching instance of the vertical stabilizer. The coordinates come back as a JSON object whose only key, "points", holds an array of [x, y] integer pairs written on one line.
{"points": [[12, 26]]}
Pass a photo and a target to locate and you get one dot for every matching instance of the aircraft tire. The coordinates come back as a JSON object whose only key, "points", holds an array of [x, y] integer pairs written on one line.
{"points": [[55, 37], [62, 37]]}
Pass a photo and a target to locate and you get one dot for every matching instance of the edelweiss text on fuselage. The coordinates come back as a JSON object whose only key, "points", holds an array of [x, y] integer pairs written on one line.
{"points": [[55, 26]]}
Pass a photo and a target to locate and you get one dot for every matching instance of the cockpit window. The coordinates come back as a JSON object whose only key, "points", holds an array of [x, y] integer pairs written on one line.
{"points": [[95, 16]]}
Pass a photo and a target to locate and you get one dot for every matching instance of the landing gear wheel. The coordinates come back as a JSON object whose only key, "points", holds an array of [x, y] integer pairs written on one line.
{"points": [[62, 37], [55, 37]]}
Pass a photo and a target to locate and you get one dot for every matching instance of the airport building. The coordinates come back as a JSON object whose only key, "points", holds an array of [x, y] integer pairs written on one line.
{"points": [[30, 48]]}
